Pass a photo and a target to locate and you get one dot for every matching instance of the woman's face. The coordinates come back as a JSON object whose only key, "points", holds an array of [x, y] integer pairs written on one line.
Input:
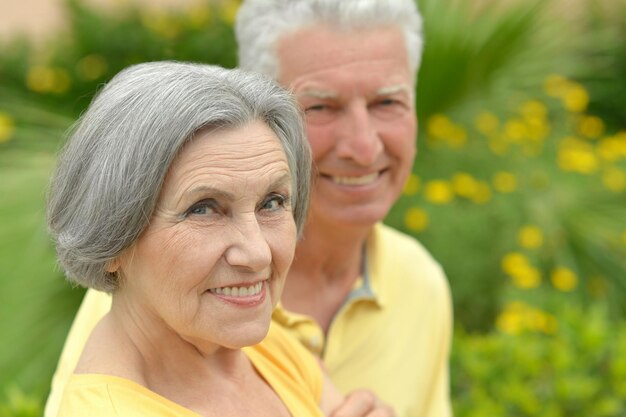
{"points": [[210, 266]]}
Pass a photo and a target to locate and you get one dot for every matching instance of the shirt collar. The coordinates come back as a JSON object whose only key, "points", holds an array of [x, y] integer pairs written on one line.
{"points": [[370, 285]]}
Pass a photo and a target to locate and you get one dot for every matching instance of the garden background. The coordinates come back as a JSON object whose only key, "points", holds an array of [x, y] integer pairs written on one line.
{"points": [[519, 188]]}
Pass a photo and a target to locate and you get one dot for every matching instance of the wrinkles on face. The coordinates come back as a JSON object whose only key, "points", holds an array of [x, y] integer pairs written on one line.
{"points": [[225, 170], [222, 218], [356, 89]]}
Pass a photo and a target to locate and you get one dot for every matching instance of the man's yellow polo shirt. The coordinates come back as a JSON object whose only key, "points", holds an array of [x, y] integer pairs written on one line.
{"points": [[393, 334]]}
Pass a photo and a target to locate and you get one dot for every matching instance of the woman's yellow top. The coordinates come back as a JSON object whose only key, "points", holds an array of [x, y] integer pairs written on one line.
{"points": [[287, 367]]}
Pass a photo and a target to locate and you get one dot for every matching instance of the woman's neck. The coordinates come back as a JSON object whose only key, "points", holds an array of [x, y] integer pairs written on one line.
{"points": [[131, 344]]}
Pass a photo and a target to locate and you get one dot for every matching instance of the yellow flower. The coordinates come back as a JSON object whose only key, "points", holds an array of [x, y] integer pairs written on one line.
{"points": [[438, 192], [504, 182], [591, 127], [160, 22], [530, 237], [533, 109], [62, 81], [614, 179], [510, 322], [555, 85], [439, 126], [575, 99], [412, 185], [457, 137], [610, 149], [577, 156], [91, 67], [228, 11], [515, 130], [537, 128], [482, 193], [517, 317], [7, 127], [564, 279], [523, 274], [487, 123], [526, 277], [464, 184], [198, 16], [512, 261], [549, 324], [416, 219], [621, 140], [41, 79]]}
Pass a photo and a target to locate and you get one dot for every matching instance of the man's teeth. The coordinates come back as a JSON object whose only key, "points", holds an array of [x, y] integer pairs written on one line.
{"points": [[366, 179], [238, 291]]}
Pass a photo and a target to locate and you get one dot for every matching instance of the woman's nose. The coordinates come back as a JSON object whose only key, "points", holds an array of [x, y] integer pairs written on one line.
{"points": [[249, 248]]}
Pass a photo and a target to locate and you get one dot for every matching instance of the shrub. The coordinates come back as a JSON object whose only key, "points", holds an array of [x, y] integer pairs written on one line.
{"points": [[578, 369]]}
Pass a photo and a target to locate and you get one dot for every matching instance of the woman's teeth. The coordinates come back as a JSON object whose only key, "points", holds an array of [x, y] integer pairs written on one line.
{"points": [[239, 291], [366, 179]]}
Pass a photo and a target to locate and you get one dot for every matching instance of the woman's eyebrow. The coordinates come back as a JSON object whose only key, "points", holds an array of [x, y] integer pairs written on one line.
{"points": [[208, 190], [281, 181], [221, 194]]}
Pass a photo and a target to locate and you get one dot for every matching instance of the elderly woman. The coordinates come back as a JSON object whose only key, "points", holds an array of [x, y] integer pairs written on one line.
{"points": [[181, 191]]}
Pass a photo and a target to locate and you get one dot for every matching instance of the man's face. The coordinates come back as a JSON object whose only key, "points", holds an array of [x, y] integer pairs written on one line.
{"points": [[356, 90]]}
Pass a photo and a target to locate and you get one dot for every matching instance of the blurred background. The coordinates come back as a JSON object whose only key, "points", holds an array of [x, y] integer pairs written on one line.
{"points": [[519, 187]]}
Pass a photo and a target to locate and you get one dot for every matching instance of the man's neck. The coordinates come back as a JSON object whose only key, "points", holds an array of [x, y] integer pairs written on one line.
{"points": [[328, 261]]}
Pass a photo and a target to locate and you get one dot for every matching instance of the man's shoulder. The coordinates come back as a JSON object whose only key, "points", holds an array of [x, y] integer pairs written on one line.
{"points": [[406, 265], [402, 248]]}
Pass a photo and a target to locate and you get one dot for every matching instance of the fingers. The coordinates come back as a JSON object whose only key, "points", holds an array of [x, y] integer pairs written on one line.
{"points": [[362, 403]]}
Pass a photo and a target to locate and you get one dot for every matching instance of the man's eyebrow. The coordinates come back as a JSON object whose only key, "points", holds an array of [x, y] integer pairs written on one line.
{"points": [[394, 89], [322, 94]]}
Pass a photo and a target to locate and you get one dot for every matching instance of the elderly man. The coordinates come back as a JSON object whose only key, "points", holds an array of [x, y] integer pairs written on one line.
{"points": [[369, 301]]}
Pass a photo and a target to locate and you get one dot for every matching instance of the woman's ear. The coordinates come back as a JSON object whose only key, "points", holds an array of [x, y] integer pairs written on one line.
{"points": [[113, 266]]}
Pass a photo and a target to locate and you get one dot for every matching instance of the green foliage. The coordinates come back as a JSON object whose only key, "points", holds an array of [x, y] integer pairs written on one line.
{"points": [[471, 52], [18, 404], [98, 45], [578, 370], [604, 64]]}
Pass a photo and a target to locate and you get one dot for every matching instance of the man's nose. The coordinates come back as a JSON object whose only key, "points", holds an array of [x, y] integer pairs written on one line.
{"points": [[358, 138], [248, 248]]}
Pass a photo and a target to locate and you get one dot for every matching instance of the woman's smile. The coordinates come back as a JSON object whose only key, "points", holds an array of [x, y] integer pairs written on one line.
{"points": [[245, 294]]}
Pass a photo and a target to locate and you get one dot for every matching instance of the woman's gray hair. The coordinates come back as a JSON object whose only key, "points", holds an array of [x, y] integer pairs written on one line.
{"points": [[262, 23], [111, 170]]}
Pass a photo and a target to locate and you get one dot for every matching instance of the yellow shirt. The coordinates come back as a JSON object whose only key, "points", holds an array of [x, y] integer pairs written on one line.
{"points": [[393, 334], [293, 374]]}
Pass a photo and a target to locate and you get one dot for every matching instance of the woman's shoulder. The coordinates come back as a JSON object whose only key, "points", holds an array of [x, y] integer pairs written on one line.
{"points": [[280, 356], [99, 395]]}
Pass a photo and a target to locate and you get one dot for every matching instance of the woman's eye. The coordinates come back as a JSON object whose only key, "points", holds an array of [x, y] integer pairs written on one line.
{"points": [[274, 202], [202, 208]]}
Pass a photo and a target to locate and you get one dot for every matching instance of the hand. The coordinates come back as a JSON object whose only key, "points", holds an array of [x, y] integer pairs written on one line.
{"points": [[362, 403]]}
